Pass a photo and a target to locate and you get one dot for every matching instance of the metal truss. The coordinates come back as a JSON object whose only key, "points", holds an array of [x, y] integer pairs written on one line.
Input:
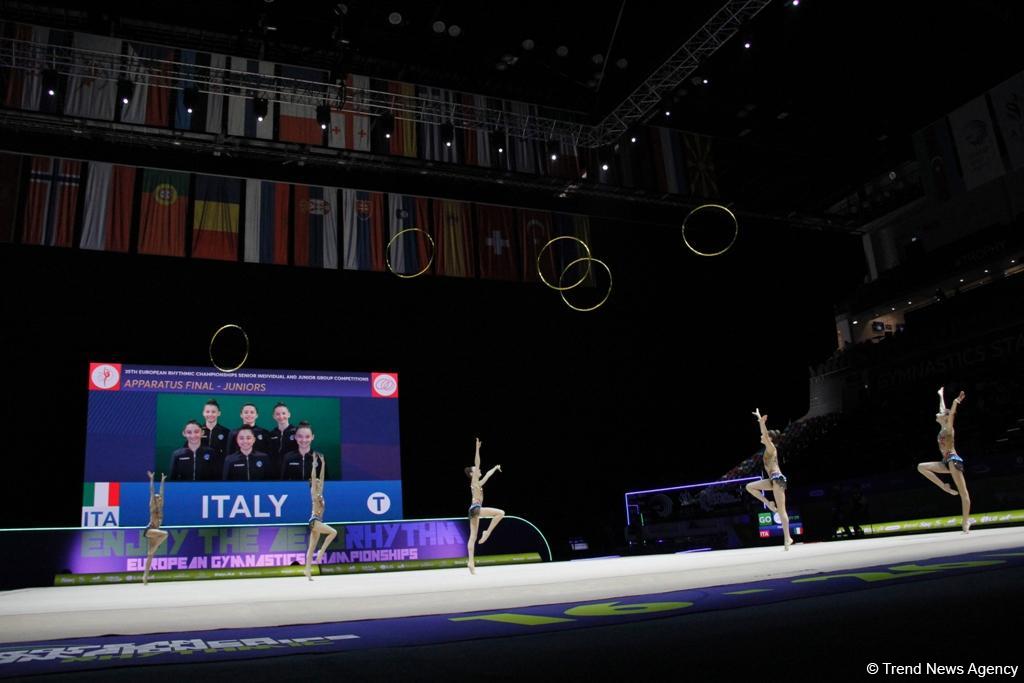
{"points": [[635, 109], [516, 119], [315, 157], [524, 123]]}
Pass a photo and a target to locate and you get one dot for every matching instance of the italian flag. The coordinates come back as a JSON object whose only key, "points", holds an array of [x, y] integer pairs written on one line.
{"points": [[101, 494]]}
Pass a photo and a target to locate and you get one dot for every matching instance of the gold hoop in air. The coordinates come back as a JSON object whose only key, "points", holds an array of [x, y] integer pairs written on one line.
{"points": [[238, 367], [606, 295], [582, 278], [387, 252], [735, 225]]}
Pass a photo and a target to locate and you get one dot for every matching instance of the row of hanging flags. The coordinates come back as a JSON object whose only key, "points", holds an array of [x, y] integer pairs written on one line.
{"points": [[978, 142], [662, 159], [109, 207]]}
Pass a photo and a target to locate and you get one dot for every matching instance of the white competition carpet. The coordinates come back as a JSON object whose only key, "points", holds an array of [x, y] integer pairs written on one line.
{"points": [[80, 611]]}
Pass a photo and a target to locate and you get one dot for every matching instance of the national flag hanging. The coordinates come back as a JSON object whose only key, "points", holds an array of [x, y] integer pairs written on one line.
{"points": [[474, 147], [527, 156], [350, 127], [627, 159], [297, 121], [403, 137], [267, 205], [10, 190], [316, 226], [409, 253], [364, 230], [501, 160], [242, 119], [34, 51], [109, 190], [700, 165], [671, 170], [437, 104], [52, 202], [92, 86], [163, 212], [567, 251], [567, 163], [534, 234], [215, 98], [150, 67], [194, 66], [453, 238], [216, 212], [497, 250], [652, 170]]}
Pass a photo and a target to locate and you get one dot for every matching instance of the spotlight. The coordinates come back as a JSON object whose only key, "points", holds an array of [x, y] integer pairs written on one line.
{"points": [[125, 90], [50, 78], [746, 45], [439, 27], [497, 141], [454, 31], [395, 18], [553, 149], [447, 133], [323, 115], [191, 98], [261, 106], [386, 123]]}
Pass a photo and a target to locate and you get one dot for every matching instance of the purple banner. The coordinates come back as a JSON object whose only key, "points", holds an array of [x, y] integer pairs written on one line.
{"points": [[120, 550], [99, 551]]}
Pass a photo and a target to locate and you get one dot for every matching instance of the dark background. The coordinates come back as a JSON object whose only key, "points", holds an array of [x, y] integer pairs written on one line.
{"points": [[653, 389]]}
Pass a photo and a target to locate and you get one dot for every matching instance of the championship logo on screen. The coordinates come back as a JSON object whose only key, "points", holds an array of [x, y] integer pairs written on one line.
{"points": [[101, 503], [384, 384], [104, 376]]}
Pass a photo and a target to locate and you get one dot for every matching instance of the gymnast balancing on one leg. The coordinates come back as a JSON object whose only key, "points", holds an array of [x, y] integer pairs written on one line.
{"points": [[476, 509]]}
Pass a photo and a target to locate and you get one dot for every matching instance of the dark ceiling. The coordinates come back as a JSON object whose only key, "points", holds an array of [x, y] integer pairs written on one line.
{"points": [[827, 95]]}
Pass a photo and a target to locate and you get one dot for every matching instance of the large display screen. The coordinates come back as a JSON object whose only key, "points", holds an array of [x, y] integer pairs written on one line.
{"points": [[232, 448]]}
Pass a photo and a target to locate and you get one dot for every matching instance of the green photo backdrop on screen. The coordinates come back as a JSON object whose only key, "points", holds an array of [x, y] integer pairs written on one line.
{"points": [[174, 410]]}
